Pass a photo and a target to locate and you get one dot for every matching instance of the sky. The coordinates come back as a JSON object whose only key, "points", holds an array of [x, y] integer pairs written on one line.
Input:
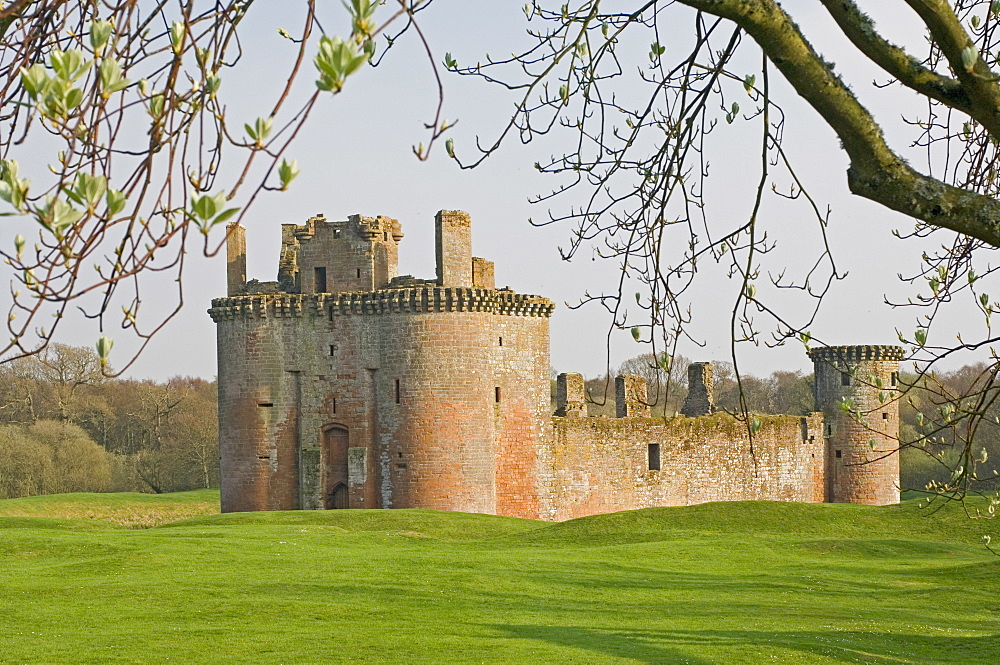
{"points": [[356, 157]]}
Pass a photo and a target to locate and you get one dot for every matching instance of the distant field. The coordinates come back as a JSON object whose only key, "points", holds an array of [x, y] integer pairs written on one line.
{"points": [[716, 583]]}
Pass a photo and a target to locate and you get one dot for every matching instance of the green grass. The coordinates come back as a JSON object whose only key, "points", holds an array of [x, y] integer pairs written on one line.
{"points": [[717, 583]]}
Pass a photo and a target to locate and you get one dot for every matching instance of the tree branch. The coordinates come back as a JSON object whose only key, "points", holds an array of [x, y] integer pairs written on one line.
{"points": [[979, 83], [909, 71], [876, 172]]}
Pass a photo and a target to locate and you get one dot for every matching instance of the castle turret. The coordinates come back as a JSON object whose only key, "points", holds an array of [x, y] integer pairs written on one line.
{"points": [[856, 391]]}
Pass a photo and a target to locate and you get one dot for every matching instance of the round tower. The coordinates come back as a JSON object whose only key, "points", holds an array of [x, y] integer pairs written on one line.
{"points": [[855, 388]]}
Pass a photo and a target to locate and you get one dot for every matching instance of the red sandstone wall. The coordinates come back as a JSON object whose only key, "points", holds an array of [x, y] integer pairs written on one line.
{"points": [[257, 444], [862, 473], [600, 465]]}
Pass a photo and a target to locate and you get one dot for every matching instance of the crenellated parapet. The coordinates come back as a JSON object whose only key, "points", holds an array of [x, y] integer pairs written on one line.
{"points": [[857, 353], [405, 300]]}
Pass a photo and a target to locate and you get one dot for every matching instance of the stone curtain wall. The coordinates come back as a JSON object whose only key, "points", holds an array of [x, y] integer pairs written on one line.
{"points": [[601, 465]]}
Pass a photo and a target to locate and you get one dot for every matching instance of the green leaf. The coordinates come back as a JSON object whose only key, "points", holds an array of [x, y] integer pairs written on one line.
{"points": [[111, 77], [115, 201], [212, 84], [260, 130], [748, 82], [100, 33], [636, 333], [336, 61], [287, 172], [920, 336], [177, 36], [449, 147], [970, 56], [156, 105], [34, 80], [103, 347]]}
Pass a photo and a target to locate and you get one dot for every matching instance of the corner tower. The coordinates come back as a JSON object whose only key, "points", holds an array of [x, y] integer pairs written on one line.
{"points": [[856, 391]]}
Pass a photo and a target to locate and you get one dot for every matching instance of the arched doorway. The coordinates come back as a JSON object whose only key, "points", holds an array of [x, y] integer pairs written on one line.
{"points": [[335, 444], [337, 499]]}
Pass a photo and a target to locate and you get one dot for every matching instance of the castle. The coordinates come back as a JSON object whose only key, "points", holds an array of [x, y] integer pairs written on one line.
{"points": [[345, 385]]}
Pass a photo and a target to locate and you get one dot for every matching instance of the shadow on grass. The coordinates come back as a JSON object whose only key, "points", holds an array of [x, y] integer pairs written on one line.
{"points": [[683, 646]]}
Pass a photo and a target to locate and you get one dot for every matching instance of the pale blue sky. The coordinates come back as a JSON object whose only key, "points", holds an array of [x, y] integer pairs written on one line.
{"points": [[355, 157]]}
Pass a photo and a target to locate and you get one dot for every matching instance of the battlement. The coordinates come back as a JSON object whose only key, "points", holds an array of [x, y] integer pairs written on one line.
{"points": [[419, 299], [856, 353]]}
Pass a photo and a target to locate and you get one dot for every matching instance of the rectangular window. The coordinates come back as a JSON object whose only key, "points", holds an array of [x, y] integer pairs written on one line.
{"points": [[838, 454], [654, 457], [845, 379], [359, 273], [333, 405], [885, 416], [496, 394], [333, 349], [319, 282], [895, 379], [395, 391], [501, 341]]}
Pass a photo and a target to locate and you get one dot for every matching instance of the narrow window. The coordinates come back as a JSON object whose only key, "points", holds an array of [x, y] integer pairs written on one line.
{"points": [[885, 416], [496, 394], [838, 454], [265, 404], [895, 379], [333, 405], [359, 273], [501, 341], [385, 235], [396, 391], [331, 313], [829, 429], [845, 379], [654, 457], [320, 281], [333, 349], [336, 233]]}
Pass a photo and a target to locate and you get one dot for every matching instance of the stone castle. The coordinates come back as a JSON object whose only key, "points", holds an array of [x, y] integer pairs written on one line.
{"points": [[345, 385]]}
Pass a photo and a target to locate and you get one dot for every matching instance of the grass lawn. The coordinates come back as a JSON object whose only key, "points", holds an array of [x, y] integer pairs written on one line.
{"points": [[717, 583]]}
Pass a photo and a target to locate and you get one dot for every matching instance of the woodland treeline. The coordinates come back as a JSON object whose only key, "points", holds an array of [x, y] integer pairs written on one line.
{"points": [[66, 427], [926, 454]]}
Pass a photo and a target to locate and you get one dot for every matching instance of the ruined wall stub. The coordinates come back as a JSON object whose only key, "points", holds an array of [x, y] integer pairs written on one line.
{"points": [[236, 259], [453, 248], [700, 399], [571, 399], [630, 397]]}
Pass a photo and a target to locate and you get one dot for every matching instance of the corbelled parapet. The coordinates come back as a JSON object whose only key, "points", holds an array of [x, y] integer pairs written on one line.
{"points": [[857, 353], [415, 300]]}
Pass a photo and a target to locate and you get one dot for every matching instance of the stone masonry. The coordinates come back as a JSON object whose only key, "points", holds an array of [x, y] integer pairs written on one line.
{"points": [[345, 385]]}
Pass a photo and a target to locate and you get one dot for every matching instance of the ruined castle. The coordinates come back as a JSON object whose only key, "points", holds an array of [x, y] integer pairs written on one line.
{"points": [[345, 385]]}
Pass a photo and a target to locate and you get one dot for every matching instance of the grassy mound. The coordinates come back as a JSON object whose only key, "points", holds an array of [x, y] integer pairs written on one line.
{"points": [[126, 509], [717, 583]]}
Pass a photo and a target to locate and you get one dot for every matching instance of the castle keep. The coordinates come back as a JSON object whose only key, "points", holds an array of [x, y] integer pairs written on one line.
{"points": [[345, 385]]}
